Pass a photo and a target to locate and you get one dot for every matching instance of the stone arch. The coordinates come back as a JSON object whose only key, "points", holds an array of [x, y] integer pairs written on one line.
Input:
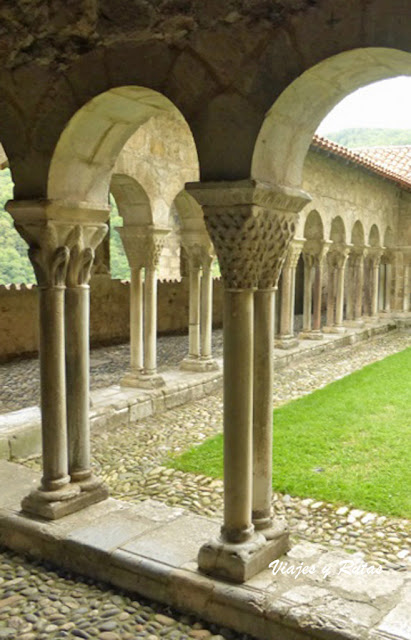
{"points": [[357, 234], [314, 228], [388, 237], [132, 201], [88, 148], [290, 124], [374, 237], [189, 212], [337, 233]]}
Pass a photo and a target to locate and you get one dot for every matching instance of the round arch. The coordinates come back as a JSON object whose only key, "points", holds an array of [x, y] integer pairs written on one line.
{"points": [[290, 124], [90, 144], [357, 234], [337, 233], [374, 239], [313, 227], [388, 238], [132, 201]]}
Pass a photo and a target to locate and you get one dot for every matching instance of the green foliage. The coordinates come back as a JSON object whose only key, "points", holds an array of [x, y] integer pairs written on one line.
{"points": [[15, 267], [363, 137], [348, 442], [118, 260], [14, 263]]}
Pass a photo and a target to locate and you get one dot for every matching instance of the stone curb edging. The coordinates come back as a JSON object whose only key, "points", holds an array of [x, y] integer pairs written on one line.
{"points": [[20, 435]]}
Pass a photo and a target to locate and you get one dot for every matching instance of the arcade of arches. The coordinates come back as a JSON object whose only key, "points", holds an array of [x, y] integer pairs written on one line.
{"points": [[243, 89]]}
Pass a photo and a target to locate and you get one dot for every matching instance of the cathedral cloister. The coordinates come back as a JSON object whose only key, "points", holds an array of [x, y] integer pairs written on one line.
{"points": [[199, 120]]}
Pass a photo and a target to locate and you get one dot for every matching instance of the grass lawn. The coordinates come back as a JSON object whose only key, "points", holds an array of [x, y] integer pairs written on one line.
{"points": [[349, 442]]}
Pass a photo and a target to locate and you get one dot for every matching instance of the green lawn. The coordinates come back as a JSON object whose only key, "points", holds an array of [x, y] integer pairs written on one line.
{"points": [[349, 442]]}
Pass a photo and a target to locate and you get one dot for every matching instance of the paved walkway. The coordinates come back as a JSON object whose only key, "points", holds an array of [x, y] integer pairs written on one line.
{"points": [[20, 381], [45, 604]]}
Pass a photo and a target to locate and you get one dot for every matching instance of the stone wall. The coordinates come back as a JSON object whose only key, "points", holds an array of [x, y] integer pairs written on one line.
{"points": [[109, 318]]}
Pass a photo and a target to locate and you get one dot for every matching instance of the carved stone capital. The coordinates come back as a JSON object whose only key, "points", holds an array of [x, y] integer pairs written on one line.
{"points": [[61, 237], [198, 249], [337, 256], [357, 255], [374, 256], [251, 225], [82, 242], [142, 245]]}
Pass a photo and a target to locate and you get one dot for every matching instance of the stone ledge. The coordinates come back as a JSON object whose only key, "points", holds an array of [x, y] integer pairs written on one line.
{"points": [[150, 549], [115, 406]]}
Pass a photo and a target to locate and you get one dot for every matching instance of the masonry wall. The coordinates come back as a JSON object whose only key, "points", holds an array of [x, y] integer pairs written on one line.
{"points": [[109, 317]]}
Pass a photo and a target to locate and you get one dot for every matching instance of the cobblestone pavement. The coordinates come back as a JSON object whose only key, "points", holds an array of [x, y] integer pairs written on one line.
{"points": [[45, 604], [20, 381]]}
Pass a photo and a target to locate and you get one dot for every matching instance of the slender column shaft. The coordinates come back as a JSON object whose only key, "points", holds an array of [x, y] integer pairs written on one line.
{"points": [[238, 414], [194, 312], [339, 304], [317, 297], [206, 311], [150, 320], [350, 290], [374, 289], [388, 275], [307, 304], [285, 313], [263, 407], [136, 319], [292, 299], [78, 380], [381, 288], [406, 301], [330, 296], [359, 289], [53, 388]]}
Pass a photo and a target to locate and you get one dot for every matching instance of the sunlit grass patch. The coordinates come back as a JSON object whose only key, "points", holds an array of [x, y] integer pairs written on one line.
{"points": [[349, 442]]}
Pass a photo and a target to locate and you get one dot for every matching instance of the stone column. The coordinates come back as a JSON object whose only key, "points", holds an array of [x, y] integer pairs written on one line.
{"points": [[356, 294], [350, 288], [375, 259], [136, 319], [82, 242], [143, 245], [381, 287], [406, 300], [286, 338], [359, 286], [318, 265], [336, 258], [239, 220], [331, 289], [199, 251], [53, 238], [308, 287], [317, 296], [339, 302], [388, 284], [207, 313]]}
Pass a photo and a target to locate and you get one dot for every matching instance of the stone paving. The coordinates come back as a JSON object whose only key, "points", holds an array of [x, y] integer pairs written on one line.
{"points": [[46, 604], [20, 380]]}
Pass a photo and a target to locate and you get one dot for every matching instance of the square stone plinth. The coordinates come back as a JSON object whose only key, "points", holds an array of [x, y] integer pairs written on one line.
{"points": [[241, 561]]}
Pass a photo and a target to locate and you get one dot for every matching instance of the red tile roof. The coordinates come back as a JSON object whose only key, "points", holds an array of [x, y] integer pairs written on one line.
{"points": [[391, 165], [396, 158]]}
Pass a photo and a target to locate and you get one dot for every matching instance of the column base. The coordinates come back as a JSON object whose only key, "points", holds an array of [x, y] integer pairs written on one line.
{"points": [[273, 529], [314, 334], [238, 562], [334, 329], [142, 380], [286, 342], [200, 364], [354, 324], [53, 505]]}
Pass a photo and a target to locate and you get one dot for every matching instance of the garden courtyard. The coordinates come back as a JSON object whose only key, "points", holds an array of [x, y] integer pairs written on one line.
{"points": [[346, 487]]}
